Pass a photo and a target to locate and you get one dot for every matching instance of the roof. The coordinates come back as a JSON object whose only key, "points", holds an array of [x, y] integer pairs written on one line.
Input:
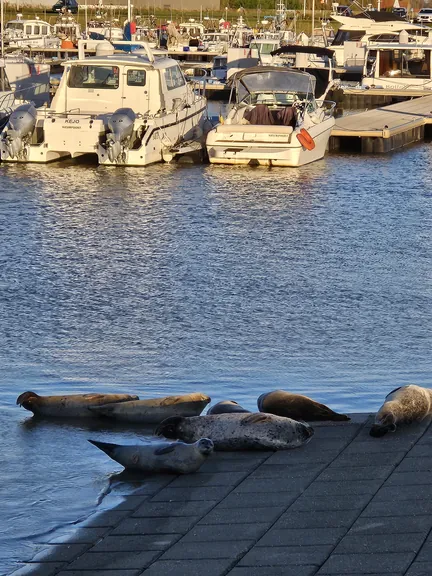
{"points": [[139, 59], [294, 49], [260, 69], [397, 46]]}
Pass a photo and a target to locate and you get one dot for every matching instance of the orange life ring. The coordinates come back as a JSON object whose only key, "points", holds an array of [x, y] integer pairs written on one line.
{"points": [[306, 139]]}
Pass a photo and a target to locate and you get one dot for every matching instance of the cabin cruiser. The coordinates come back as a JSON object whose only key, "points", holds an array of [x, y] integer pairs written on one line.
{"points": [[128, 109], [316, 60], [262, 49], [398, 67], [356, 32], [274, 120], [30, 33]]}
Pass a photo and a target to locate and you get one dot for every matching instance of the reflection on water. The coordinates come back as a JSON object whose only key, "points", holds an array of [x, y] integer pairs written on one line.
{"points": [[225, 280]]}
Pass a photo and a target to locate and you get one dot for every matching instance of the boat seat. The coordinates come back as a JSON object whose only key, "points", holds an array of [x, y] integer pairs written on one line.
{"points": [[253, 128]]}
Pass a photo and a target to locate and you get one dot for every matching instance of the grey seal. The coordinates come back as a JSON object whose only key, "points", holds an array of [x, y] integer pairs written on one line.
{"points": [[69, 405], [296, 406], [239, 431], [175, 457], [403, 405], [227, 407], [154, 410]]}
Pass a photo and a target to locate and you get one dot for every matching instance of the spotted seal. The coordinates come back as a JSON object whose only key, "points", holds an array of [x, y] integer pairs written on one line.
{"points": [[154, 410], [239, 431], [69, 405], [175, 457], [227, 407], [296, 406], [403, 405]]}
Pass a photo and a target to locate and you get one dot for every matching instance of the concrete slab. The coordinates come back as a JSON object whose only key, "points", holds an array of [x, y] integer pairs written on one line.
{"points": [[349, 475], [136, 543], [344, 488], [173, 509], [207, 550], [202, 480], [355, 543], [394, 508], [38, 569], [254, 499], [191, 494], [273, 571], [366, 564], [318, 503], [225, 533], [242, 515], [286, 556], [393, 525], [306, 470], [113, 561], [301, 537], [175, 525], [420, 569], [188, 568], [314, 519]]}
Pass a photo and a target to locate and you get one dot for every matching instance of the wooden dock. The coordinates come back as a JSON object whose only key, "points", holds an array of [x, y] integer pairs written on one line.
{"points": [[383, 129]]}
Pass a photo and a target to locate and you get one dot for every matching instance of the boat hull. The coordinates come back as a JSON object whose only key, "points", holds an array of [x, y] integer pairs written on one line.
{"points": [[280, 147]]}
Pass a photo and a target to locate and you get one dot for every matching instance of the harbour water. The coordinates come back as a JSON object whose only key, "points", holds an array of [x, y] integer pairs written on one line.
{"points": [[170, 279]]}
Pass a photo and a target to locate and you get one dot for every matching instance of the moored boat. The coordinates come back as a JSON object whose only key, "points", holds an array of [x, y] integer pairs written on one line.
{"points": [[127, 109], [274, 121]]}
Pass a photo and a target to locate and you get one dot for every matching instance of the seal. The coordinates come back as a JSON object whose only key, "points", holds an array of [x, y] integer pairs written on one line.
{"points": [[296, 406], [402, 406], [69, 405], [239, 431], [227, 407], [154, 410], [175, 457]]}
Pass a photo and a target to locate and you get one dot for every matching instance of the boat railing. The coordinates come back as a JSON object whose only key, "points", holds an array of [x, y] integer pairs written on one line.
{"points": [[326, 106], [8, 98]]}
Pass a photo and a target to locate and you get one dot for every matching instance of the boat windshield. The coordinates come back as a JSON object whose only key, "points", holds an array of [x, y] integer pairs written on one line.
{"points": [[94, 77], [15, 26], [264, 48], [282, 86]]}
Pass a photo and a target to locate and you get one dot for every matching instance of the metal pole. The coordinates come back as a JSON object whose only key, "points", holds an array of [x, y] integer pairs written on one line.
{"points": [[304, 8], [86, 23], [313, 20]]}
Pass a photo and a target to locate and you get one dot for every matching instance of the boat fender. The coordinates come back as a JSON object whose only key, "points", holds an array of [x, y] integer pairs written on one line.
{"points": [[306, 139]]}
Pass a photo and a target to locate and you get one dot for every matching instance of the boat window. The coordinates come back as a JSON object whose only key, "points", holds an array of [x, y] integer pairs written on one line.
{"points": [[382, 38], [343, 36], [44, 30], [263, 48], [104, 77], [28, 29], [174, 78], [405, 63], [15, 26], [37, 30], [136, 77]]}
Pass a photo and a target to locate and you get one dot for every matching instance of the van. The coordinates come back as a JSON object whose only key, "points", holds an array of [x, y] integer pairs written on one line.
{"points": [[65, 5]]}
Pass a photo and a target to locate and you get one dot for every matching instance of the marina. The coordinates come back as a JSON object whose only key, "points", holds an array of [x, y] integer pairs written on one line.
{"points": [[178, 252]]}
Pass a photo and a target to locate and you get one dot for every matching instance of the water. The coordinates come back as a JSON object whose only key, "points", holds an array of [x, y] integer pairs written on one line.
{"points": [[171, 279]]}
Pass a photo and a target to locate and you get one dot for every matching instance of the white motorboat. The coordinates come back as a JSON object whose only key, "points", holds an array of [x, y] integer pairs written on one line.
{"points": [[405, 67], [275, 120], [357, 32], [127, 109], [30, 33]]}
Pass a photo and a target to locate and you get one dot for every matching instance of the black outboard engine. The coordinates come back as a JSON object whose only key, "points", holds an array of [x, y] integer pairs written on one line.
{"points": [[120, 126], [19, 130]]}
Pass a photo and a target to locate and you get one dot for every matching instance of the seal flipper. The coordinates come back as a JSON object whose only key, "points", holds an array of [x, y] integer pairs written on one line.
{"points": [[105, 447], [377, 431]]}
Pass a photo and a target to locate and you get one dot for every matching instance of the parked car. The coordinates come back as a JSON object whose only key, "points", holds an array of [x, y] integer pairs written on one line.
{"points": [[402, 12], [65, 5], [424, 15], [343, 10]]}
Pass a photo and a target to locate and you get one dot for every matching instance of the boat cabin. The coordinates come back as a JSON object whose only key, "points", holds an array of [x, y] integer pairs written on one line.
{"points": [[20, 28], [401, 66], [262, 48], [102, 84]]}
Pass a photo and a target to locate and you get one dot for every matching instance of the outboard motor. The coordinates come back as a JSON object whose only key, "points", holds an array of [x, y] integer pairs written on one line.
{"points": [[120, 126], [19, 130]]}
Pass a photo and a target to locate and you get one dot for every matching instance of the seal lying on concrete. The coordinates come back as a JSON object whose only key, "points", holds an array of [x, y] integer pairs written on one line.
{"points": [[154, 410], [296, 406], [175, 457], [69, 405], [239, 431], [404, 405], [227, 407]]}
